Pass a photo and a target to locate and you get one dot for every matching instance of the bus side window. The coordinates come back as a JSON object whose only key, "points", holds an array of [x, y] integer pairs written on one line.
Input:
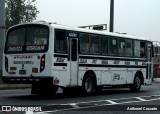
{"points": [[142, 44], [60, 41], [121, 46], [95, 44], [137, 48], [128, 45], [113, 45], [84, 43], [104, 44]]}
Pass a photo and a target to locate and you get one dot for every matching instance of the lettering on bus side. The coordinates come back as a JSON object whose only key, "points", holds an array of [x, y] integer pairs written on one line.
{"points": [[116, 62], [35, 48], [59, 59], [94, 61], [83, 61], [136, 63], [144, 63], [22, 62], [72, 35], [116, 76], [127, 63], [104, 62], [15, 48]]}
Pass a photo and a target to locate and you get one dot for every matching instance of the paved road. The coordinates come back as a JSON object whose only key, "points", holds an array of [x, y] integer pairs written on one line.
{"points": [[111, 100]]}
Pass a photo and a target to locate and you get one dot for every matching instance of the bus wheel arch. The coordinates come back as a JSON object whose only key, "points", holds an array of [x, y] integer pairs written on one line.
{"points": [[89, 82], [137, 82]]}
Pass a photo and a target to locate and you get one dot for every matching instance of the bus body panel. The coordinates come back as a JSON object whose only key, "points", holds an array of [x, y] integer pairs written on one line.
{"points": [[64, 69]]}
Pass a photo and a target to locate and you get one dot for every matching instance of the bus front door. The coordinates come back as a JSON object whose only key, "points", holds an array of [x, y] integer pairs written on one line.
{"points": [[73, 61]]}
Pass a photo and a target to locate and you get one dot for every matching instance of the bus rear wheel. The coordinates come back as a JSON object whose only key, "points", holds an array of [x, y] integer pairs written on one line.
{"points": [[88, 84], [135, 87]]}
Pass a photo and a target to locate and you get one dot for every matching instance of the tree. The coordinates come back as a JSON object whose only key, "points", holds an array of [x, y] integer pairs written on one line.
{"points": [[19, 11]]}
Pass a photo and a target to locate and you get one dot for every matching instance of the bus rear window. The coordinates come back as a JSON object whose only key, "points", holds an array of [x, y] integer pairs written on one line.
{"points": [[27, 38], [16, 37], [36, 36]]}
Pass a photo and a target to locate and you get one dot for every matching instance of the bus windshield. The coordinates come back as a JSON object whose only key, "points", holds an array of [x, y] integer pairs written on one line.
{"points": [[23, 39]]}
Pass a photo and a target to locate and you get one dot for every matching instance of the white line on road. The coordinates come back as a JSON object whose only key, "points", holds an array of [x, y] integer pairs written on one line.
{"points": [[74, 105], [141, 99], [91, 106], [112, 102]]}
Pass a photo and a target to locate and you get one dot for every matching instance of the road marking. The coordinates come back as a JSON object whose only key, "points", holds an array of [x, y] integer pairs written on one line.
{"points": [[112, 102], [141, 99], [92, 104], [74, 105]]}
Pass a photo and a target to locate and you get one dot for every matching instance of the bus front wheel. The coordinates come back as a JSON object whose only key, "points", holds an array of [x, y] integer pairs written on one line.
{"points": [[135, 87], [88, 84]]}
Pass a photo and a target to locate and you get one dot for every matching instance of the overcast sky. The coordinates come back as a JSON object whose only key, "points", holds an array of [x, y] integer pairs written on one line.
{"points": [[134, 17]]}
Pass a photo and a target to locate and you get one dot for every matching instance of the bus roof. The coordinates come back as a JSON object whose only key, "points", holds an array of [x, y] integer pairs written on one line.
{"points": [[73, 28]]}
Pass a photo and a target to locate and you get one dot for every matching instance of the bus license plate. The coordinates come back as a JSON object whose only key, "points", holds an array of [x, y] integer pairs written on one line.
{"points": [[22, 72]]}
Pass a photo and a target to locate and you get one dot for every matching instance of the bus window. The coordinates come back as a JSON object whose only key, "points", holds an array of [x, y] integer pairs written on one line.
{"points": [[112, 45], [60, 41], [16, 37], [37, 36], [137, 48], [104, 44], [95, 44], [121, 47], [84, 43], [142, 47], [128, 51]]}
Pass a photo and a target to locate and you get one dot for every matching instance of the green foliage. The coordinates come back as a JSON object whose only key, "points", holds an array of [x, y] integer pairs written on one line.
{"points": [[19, 11]]}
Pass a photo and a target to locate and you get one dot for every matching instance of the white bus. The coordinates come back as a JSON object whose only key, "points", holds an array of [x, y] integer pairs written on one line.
{"points": [[49, 56]]}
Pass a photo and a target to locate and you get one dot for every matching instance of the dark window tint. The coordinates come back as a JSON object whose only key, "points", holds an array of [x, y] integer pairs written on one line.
{"points": [[84, 43], [112, 45], [142, 47], [128, 47], [60, 41], [16, 37], [95, 44], [121, 47], [139, 48], [37, 36], [104, 44], [31, 38]]}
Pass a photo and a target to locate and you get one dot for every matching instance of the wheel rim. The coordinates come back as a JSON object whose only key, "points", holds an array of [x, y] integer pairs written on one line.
{"points": [[137, 82], [88, 85]]}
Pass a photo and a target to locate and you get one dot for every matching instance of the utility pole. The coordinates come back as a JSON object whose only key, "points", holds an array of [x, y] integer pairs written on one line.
{"points": [[2, 32], [111, 25]]}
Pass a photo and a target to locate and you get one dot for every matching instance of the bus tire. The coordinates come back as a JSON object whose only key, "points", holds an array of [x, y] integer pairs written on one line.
{"points": [[88, 84], [135, 87]]}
